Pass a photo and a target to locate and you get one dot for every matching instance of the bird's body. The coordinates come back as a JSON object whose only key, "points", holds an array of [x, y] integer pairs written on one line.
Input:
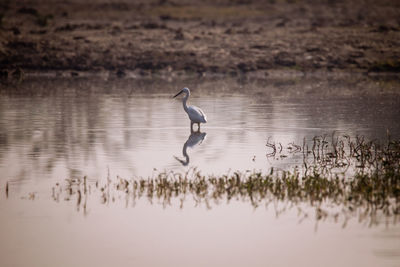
{"points": [[196, 115]]}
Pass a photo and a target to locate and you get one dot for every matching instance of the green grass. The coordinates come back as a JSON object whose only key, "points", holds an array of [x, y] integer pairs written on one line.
{"points": [[371, 192]]}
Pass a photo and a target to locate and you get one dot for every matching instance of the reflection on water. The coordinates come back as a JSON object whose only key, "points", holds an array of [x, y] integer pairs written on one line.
{"points": [[195, 139], [369, 192], [73, 131], [66, 140]]}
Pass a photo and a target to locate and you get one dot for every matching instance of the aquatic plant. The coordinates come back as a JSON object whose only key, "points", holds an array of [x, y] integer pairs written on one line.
{"points": [[371, 192]]}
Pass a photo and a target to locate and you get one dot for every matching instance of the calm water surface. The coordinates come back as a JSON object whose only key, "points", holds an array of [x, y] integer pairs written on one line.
{"points": [[71, 134], [60, 131]]}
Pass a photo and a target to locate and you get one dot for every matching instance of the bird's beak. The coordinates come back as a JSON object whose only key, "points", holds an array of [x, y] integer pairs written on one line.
{"points": [[178, 93]]}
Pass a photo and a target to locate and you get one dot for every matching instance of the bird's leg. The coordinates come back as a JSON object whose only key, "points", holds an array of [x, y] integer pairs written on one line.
{"points": [[191, 127], [198, 128]]}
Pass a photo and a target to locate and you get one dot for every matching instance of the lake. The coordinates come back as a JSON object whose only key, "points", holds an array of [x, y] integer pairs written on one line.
{"points": [[56, 128]]}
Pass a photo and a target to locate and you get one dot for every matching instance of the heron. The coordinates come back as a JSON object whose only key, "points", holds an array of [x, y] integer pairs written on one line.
{"points": [[196, 115]]}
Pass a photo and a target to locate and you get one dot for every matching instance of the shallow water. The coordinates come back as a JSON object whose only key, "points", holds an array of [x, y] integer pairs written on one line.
{"points": [[57, 130], [69, 134]]}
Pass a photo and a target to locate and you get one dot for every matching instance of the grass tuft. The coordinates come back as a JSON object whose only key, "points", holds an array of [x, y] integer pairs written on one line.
{"points": [[371, 192]]}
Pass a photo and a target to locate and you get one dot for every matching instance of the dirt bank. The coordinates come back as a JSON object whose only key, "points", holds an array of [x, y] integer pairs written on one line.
{"points": [[228, 37]]}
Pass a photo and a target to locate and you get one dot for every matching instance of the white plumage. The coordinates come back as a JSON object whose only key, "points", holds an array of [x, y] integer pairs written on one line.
{"points": [[196, 115]]}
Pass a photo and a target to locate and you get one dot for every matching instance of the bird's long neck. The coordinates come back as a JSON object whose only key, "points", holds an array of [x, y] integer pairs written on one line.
{"points": [[185, 100]]}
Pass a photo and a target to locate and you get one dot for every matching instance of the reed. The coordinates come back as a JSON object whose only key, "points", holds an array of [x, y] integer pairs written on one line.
{"points": [[370, 192]]}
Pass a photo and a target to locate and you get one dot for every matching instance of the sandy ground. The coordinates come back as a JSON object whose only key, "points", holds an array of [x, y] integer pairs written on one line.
{"points": [[227, 37]]}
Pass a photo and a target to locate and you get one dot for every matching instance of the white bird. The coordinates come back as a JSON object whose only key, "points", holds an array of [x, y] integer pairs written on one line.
{"points": [[196, 115]]}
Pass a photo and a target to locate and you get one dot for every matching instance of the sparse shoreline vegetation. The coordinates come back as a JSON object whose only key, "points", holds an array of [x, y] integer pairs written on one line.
{"points": [[233, 38], [368, 187]]}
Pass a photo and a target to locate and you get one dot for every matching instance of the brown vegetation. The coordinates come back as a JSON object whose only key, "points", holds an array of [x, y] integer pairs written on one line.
{"points": [[228, 37]]}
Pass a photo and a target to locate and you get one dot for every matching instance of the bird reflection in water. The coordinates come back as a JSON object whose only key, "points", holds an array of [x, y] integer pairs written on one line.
{"points": [[195, 139]]}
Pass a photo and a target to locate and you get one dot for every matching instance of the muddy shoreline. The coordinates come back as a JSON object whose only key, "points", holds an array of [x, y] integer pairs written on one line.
{"points": [[218, 37]]}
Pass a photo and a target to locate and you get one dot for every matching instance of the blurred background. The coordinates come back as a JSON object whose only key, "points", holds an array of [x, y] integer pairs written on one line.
{"points": [[226, 37]]}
